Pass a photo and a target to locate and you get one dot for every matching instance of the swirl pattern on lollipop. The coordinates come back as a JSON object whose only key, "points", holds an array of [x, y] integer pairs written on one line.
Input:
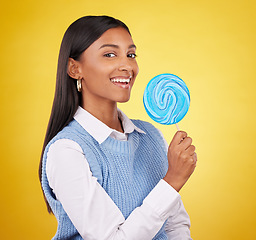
{"points": [[166, 99]]}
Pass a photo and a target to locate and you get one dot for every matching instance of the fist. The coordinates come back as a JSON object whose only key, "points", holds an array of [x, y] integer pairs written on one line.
{"points": [[182, 160]]}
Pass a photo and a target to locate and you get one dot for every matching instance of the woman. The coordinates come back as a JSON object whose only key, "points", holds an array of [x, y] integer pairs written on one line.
{"points": [[103, 175]]}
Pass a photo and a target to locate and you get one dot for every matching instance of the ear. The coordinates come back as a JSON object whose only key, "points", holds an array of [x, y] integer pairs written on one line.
{"points": [[73, 68]]}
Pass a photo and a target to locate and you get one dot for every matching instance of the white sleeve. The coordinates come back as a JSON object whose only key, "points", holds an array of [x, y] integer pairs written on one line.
{"points": [[89, 207], [178, 225]]}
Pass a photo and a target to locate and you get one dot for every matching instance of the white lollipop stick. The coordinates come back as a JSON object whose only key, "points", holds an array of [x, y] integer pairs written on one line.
{"points": [[177, 126]]}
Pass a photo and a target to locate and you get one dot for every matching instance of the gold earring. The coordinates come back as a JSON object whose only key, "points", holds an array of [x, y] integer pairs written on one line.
{"points": [[79, 85]]}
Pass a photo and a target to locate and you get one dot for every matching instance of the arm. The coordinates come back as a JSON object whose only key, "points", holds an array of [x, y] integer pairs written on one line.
{"points": [[178, 225], [89, 207]]}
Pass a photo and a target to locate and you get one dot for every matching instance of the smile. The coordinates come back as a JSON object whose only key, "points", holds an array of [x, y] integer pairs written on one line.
{"points": [[122, 82]]}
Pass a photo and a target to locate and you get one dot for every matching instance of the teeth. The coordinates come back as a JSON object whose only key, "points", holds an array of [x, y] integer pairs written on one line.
{"points": [[121, 80]]}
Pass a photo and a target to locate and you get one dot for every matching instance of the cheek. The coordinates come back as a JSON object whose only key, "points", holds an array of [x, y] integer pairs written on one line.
{"points": [[98, 75], [102, 68], [94, 71], [136, 69]]}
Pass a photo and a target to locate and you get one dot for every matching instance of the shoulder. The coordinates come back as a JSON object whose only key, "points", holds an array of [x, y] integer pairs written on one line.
{"points": [[151, 131], [146, 127], [63, 146], [142, 124], [72, 145], [67, 138], [73, 132]]}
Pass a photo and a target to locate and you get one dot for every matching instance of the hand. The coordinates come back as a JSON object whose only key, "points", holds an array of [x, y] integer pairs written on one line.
{"points": [[182, 160]]}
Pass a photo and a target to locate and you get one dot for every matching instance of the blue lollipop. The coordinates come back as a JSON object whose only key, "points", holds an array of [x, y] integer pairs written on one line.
{"points": [[166, 99]]}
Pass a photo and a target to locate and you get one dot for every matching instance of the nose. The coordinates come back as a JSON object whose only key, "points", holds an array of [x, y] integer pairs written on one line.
{"points": [[125, 65]]}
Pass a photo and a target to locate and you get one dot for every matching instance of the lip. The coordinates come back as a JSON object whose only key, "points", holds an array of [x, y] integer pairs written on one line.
{"points": [[121, 77], [123, 85]]}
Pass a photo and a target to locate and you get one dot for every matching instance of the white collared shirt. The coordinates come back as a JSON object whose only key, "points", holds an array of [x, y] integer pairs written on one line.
{"points": [[89, 207], [100, 131]]}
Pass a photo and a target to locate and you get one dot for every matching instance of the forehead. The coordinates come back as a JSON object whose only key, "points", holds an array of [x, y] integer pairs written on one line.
{"points": [[118, 36]]}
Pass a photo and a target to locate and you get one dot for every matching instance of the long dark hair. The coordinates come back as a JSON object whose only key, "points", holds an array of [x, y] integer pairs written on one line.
{"points": [[78, 37]]}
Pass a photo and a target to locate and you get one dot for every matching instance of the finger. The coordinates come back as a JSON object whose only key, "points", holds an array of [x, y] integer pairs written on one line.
{"points": [[178, 137], [194, 156], [191, 150], [186, 143]]}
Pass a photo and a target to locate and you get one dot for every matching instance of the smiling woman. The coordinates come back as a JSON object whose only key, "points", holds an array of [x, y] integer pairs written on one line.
{"points": [[103, 175], [107, 69]]}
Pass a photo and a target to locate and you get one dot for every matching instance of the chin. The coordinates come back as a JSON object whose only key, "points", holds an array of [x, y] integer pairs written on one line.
{"points": [[123, 100]]}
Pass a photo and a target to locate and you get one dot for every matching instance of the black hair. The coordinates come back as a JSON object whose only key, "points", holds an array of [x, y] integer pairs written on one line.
{"points": [[77, 38]]}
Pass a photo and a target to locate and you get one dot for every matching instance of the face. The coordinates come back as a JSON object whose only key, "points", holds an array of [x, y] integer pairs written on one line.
{"points": [[108, 67]]}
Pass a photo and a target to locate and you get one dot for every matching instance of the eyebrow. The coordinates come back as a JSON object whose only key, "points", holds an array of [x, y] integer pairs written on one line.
{"points": [[116, 46]]}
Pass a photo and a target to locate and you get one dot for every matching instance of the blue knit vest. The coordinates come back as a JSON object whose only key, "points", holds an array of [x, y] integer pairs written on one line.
{"points": [[127, 170]]}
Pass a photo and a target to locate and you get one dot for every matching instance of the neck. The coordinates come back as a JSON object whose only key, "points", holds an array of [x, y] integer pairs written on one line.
{"points": [[106, 113]]}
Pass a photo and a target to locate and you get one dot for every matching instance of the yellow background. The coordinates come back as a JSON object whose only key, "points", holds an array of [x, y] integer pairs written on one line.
{"points": [[209, 44]]}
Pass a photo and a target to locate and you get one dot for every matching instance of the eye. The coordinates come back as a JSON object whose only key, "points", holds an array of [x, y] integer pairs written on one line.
{"points": [[109, 55], [131, 55]]}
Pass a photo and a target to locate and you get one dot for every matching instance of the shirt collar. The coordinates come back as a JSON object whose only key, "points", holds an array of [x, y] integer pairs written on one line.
{"points": [[99, 130]]}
